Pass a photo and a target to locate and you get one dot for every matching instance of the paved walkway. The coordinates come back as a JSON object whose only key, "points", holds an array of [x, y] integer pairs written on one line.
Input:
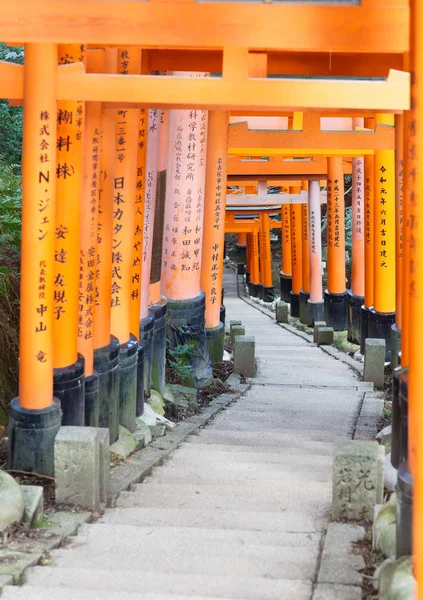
{"points": [[240, 510]]}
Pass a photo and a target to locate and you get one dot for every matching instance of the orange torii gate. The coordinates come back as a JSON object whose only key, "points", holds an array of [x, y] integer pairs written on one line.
{"points": [[374, 42]]}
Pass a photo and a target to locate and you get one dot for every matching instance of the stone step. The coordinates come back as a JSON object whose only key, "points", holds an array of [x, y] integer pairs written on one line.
{"points": [[211, 519], [284, 562], [320, 505], [278, 439], [287, 442], [274, 476], [38, 593], [195, 540], [193, 586]]}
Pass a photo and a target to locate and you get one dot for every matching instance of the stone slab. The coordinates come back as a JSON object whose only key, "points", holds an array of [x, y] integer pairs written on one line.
{"points": [[374, 361], [13, 564], [103, 435], [357, 480], [317, 326], [34, 503], [340, 563], [11, 501], [77, 467], [328, 591], [237, 330], [324, 336]]}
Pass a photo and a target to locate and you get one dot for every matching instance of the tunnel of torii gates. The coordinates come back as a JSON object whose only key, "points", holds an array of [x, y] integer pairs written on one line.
{"points": [[127, 156]]}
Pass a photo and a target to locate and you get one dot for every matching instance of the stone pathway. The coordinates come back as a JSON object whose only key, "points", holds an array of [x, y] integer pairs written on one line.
{"points": [[241, 509]]}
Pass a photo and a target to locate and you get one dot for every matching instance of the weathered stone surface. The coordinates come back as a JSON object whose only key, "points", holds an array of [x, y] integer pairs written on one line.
{"points": [[125, 444], [233, 323], [385, 438], [390, 474], [183, 394], [340, 563], [64, 523], [328, 591], [357, 480], [13, 564], [34, 503], [5, 580], [142, 434], [324, 336], [282, 312], [374, 361], [383, 575], [317, 326], [77, 467], [103, 435], [237, 330], [156, 402], [384, 529], [403, 584], [149, 417], [244, 355], [11, 501]]}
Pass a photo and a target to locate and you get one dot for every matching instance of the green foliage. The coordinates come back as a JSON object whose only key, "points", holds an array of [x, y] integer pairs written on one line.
{"points": [[179, 359], [10, 222], [11, 116]]}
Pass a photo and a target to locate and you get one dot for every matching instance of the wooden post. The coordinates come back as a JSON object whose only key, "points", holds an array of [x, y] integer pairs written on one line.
{"points": [[214, 230], [35, 415], [296, 252], [316, 306], [336, 301], [68, 366], [286, 271], [382, 315]]}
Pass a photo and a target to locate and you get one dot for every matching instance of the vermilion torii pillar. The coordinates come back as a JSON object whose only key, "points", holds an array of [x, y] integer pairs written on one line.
{"points": [[369, 187], [296, 251], [214, 230], [106, 346], [254, 282], [124, 192], [316, 306], [35, 415], [382, 315], [146, 326], [68, 380], [184, 231], [356, 293], [399, 193], [305, 316], [286, 271], [335, 296], [266, 287]]}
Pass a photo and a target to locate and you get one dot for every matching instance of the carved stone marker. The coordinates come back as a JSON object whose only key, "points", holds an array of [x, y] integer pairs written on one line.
{"points": [[357, 480], [282, 312]]}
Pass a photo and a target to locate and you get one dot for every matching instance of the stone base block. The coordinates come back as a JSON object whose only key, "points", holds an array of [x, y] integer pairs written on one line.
{"points": [[336, 310], [282, 312], [237, 330], [395, 346], [324, 336], [33, 496], [374, 361], [295, 304], [305, 316], [318, 325], [268, 293], [286, 287], [358, 470], [216, 341], [80, 466], [364, 328], [354, 317], [244, 355], [316, 311], [31, 437]]}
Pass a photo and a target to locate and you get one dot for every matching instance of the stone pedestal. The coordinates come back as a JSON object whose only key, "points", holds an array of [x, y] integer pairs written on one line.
{"points": [[244, 355], [374, 361], [282, 312], [357, 480]]}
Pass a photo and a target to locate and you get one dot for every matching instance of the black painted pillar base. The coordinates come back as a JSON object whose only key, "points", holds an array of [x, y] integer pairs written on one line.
{"points": [[186, 323], [364, 328], [241, 253], [286, 287], [403, 411], [305, 316], [404, 511], [354, 317], [260, 291], [253, 289], [216, 342], [247, 277], [223, 314], [128, 357], [31, 437], [317, 311], [380, 327], [396, 416], [159, 313], [336, 310], [140, 380], [106, 363], [395, 346], [240, 268], [69, 388], [146, 336], [295, 304], [267, 293], [92, 400]]}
